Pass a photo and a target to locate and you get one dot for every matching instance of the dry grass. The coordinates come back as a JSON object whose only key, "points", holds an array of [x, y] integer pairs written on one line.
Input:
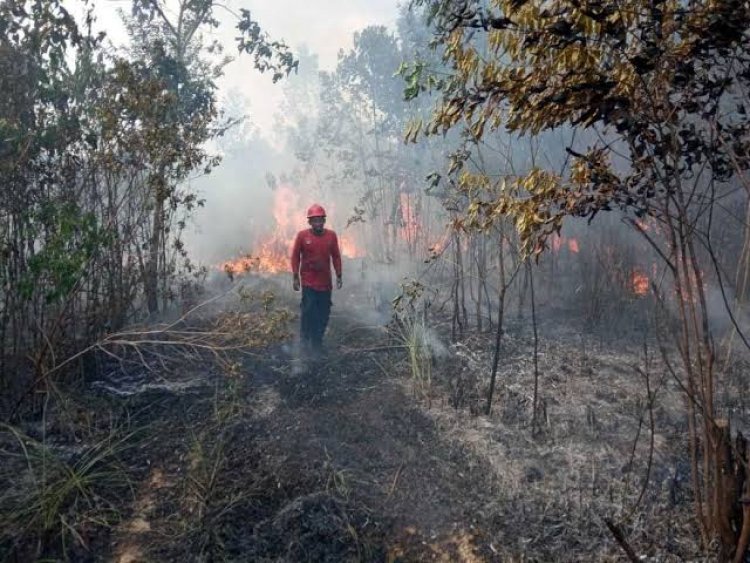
{"points": [[53, 497], [412, 334], [57, 497], [595, 457]]}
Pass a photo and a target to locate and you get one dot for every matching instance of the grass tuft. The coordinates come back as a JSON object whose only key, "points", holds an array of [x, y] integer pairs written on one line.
{"points": [[412, 333], [53, 499]]}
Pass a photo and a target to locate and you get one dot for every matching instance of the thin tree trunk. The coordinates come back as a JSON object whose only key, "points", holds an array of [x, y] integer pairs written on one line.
{"points": [[487, 299], [456, 326], [499, 328], [534, 421], [152, 267], [462, 284], [692, 397], [742, 464]]}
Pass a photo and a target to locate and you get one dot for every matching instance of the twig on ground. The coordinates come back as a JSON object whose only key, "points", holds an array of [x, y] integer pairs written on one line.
{"points": [[620, 538], [392, 489]]}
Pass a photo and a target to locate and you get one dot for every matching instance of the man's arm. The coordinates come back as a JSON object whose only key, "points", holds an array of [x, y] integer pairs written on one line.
{"points": [[295, 262], [336, 258]]}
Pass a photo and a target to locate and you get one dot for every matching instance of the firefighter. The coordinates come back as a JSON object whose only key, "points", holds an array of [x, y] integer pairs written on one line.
{"points": [[312, 254]]}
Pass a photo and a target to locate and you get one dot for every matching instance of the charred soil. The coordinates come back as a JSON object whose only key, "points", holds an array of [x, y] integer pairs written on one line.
{"points": [[346, 458], [331, 463]]}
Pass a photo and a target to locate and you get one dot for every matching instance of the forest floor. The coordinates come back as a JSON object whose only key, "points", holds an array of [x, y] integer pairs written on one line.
{"points": [[350, 459]]}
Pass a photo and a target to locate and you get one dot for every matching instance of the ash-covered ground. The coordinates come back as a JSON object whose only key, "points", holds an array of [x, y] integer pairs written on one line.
{"points": [[353, 458]]}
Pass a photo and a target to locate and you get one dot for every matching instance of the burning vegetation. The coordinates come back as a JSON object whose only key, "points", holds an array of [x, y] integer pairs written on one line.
{"points": [[640, 283], [271, 254]]}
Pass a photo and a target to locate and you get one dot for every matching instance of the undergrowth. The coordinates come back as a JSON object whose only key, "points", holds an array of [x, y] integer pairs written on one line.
{"points": [[55, 498]]}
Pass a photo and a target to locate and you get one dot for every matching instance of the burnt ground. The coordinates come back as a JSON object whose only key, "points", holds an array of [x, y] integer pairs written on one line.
{"points": [[351, 460], [338, 463]]}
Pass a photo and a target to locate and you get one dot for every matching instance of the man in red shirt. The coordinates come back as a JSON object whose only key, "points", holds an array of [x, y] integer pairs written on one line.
{"points": [[312, 254]]}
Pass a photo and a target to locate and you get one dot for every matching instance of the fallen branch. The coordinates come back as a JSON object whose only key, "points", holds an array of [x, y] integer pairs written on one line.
{"points": [[395, 480], [620, 537], [231, 332]]}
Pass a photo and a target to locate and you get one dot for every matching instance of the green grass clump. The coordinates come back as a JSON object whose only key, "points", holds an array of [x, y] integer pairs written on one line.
{"points": [[52, 500]]}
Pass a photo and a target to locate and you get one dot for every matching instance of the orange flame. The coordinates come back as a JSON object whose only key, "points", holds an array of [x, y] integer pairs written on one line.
{"points": [[272, 255], [639, 283], [440, 245], [558, 242], [272, 258], [349, 248], [410, 225], [242, 264]]}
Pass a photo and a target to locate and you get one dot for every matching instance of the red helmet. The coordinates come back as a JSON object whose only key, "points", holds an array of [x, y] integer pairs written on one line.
{"points": [[316, 211]]}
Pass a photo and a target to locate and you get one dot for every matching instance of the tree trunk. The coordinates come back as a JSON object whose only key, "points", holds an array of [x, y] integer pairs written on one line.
{"points": [[456, 315], [499, 328], [462, 285], [151, 281], [742, 276], [535, 401], [725, 488], [742, 463]]}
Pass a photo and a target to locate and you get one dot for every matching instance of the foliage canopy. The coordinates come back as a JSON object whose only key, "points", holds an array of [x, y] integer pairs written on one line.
{"points": [[662, 86]]}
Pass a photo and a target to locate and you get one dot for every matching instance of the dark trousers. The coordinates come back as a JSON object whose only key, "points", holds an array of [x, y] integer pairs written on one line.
{"points": [[316, 309]]}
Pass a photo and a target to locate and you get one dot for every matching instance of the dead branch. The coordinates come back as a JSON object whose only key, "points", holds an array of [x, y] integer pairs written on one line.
{"points": [[229, 334], [620, 538]]}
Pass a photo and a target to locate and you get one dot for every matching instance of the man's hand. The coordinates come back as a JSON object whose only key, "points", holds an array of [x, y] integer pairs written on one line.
{"points": [[295, 283], [339, 282]]}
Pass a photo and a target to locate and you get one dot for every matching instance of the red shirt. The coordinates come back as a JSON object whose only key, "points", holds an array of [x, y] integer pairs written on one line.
{"points": [[312, 256]]}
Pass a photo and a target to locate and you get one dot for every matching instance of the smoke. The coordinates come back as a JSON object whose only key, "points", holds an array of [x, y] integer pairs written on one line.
{"points": [[374, 190], [724, 315], [255, 202], [237, 198]]}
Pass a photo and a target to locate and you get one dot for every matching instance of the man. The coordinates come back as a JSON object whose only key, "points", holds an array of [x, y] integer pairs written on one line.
{"points": [[312, 254]]}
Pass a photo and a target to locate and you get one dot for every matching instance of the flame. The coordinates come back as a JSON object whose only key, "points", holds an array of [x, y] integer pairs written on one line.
{"points": [[349, 248], [272, 253], [408, 214], [439, 245], [272, 258], [436, 248], [242, 264], [558, 242], [639, 283]]}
